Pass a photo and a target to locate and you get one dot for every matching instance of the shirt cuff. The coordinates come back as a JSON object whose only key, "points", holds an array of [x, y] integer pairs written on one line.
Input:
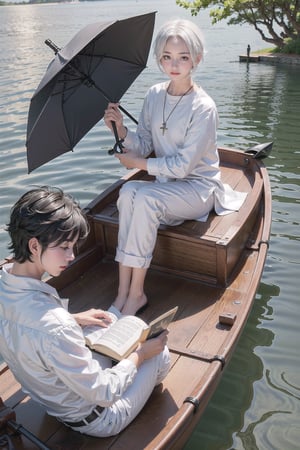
{"points": [[152, 166], [128, 367], [129, 139]]}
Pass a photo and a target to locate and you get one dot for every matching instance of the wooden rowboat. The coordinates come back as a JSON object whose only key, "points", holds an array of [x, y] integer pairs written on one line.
{"points": [[210, 270]]}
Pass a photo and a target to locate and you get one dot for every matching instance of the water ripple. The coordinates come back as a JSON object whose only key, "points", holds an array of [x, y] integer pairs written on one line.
{"points": [[257, 404]]}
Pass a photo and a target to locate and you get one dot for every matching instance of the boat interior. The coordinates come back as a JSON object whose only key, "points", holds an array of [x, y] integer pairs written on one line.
{"points": [[206, 269]]}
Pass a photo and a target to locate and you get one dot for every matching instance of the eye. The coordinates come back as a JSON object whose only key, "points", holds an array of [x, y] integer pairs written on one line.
{"points": [[165, 57], [66, 246]]}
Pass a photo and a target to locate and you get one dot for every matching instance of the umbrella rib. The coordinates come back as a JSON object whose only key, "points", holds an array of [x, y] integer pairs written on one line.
{"points": [[66, 89], [73, 108], [81, 76], [86, 78], [109, 100], [142, 66]]}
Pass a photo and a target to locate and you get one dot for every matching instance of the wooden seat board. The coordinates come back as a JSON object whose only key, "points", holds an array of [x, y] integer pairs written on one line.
{"points": [[195, 335]]}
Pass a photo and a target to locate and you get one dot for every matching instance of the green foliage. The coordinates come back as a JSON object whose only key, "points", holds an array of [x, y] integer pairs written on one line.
{"points": [[291, 46], [276, 21]]}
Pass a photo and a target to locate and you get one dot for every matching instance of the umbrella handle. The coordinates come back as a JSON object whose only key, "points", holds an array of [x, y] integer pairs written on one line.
{"points": [[118, 147]]}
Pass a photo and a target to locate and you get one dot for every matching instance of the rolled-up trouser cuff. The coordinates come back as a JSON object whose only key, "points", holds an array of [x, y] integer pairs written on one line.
{"points": [[115, 311], [138, 262]]}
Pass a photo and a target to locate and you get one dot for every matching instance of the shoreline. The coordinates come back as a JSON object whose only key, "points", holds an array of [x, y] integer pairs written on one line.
{"points": [[272, 58]]}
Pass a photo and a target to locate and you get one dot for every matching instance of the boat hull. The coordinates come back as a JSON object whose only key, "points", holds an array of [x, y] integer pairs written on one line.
{"points": [[211, 271]]}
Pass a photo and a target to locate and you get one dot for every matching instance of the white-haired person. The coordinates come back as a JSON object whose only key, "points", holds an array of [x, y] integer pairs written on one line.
{"points": [[178, 122]]}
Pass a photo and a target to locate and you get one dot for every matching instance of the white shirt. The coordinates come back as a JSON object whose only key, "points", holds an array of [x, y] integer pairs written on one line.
{"points": [[188, 148], [45, 349]]}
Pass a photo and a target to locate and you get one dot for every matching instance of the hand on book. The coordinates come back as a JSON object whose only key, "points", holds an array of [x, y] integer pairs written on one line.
{"points": [[93, 317], [124, 334], [149, 348]]}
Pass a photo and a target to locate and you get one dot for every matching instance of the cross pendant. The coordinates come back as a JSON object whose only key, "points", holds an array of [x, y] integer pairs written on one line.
{"points": [[163, 127]]}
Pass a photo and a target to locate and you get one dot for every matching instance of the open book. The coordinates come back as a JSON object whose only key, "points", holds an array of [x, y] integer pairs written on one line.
{"points": [[124, 334]]}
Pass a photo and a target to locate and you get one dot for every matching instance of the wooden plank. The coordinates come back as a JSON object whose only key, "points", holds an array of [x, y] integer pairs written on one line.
{"points": [[213, 246], [196, 330], [10, 389]]}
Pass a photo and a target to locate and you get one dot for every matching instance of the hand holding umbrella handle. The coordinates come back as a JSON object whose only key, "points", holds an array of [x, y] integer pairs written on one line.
{"points": [[85, 74], [118, 147]]}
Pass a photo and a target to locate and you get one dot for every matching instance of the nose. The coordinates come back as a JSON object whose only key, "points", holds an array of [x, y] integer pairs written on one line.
{"points": [[174, 62], [70, 254]]}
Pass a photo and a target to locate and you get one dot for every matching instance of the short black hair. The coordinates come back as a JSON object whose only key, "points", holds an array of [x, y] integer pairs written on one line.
{"points": [[49, 215]]}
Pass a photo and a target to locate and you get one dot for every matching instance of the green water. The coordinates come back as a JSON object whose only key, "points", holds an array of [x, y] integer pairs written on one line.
{"points": [[257, 403]]}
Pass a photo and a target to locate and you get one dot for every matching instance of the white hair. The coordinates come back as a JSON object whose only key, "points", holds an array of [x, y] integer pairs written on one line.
{"points": [[187, 31]]}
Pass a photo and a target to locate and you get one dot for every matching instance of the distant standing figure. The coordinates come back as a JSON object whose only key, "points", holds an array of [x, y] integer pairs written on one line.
{"points": [[248, 51]]}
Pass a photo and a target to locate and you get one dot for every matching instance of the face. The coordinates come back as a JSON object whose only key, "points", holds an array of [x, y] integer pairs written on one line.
{"points": [[56, 258], [176, 59]]}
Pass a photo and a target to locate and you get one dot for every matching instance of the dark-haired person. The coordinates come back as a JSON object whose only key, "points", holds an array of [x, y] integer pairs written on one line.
{"points": [[43, 343]]}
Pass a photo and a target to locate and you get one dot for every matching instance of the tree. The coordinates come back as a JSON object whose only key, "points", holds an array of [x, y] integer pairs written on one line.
{"points": [[278, 22]]}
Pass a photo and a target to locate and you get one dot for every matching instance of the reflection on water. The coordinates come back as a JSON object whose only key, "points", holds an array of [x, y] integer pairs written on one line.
{"points": [[257, 403], [239, 384]]}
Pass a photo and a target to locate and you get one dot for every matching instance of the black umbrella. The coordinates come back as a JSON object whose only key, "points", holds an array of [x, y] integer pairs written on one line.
{"points": [[96, 67]]}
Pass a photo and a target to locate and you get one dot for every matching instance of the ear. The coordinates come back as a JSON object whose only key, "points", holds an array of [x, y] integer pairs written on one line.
{"points": [[198, 59], [34, 246]]}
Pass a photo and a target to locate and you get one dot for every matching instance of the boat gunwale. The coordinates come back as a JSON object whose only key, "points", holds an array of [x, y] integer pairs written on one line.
{"points": [[180, 425]]}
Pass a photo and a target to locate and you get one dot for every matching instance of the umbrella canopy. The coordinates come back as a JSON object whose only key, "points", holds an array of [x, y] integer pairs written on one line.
{"points": [[97, 66]]}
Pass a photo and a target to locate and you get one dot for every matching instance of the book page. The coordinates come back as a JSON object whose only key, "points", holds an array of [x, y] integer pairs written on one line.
{"points": [[125, 332], [94, 332], [123, 336], [120, 339]]}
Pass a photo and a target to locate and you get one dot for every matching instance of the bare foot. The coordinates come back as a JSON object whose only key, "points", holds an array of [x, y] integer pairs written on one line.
{"points": [[133, 305]]}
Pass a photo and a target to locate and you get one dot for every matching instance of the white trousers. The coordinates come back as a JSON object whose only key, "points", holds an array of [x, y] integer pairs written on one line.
{"points": [[118, 416], [144, 205]]}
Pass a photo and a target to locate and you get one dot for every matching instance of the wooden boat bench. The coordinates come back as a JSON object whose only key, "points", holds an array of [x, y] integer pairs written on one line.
{"points": [[207, 251], [214, 304]]}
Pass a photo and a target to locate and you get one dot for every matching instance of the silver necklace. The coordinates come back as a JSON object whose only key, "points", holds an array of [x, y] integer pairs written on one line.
{"points": [[163, 127]]}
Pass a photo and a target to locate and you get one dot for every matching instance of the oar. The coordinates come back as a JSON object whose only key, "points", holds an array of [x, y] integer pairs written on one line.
{"points": [[260, 151], [7, 418]]}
